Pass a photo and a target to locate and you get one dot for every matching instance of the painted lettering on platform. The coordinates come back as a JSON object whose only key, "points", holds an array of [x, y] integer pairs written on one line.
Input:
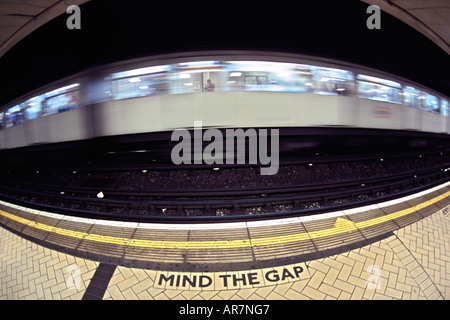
{"points": [[231, 280]]}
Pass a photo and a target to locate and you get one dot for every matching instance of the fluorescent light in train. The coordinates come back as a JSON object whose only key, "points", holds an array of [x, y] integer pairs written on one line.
{"points": [[235, 74], [63, 89], [13, 109], [198, 63], [262, 66], [133, 80], [379, 80], [140, 71]]}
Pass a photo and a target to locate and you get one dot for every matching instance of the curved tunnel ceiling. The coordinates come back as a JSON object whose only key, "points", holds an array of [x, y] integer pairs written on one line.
{"points": [[18, 18], [430, 17]]}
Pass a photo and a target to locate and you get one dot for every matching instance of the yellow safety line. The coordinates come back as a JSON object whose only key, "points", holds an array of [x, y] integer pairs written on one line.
{"points": [[341, 227]]}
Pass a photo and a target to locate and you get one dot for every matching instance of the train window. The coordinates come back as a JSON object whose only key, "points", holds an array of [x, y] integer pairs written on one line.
{"points": [[374, 88], [190, 77], [2, 118], [140, 86], [444, 107], [140, 82], [216, 81], [28, 110], [33, 108], [187, 82], [61, 99], [331, 81], [428, 102], [411, 97], [268, 76], [303, 81], [14, 116], [245, 76]]}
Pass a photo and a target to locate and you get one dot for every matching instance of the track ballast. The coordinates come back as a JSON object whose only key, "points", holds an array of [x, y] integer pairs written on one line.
{"points": [[216, 193]]}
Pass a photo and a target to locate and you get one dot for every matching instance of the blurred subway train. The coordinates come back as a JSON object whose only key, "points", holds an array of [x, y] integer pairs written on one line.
{"points": [[134, 105]]}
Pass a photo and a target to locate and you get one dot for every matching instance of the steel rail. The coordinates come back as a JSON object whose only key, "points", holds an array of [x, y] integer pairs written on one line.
{"points": [[310, 193], [182, 193], [213, 219]]}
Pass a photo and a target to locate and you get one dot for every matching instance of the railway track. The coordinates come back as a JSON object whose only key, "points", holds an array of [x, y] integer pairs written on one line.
{"points": [[137, 160], [201, 204]]}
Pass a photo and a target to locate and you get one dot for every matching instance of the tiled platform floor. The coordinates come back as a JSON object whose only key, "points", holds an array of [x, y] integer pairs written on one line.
{"points": [[412, 263]]}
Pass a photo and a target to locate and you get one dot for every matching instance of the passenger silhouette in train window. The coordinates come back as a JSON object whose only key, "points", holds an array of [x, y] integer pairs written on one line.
{"points": [[210, 87]]}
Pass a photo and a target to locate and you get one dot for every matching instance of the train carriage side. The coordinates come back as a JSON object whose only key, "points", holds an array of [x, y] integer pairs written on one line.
{"points": [[50, 116], [220, 91]]}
